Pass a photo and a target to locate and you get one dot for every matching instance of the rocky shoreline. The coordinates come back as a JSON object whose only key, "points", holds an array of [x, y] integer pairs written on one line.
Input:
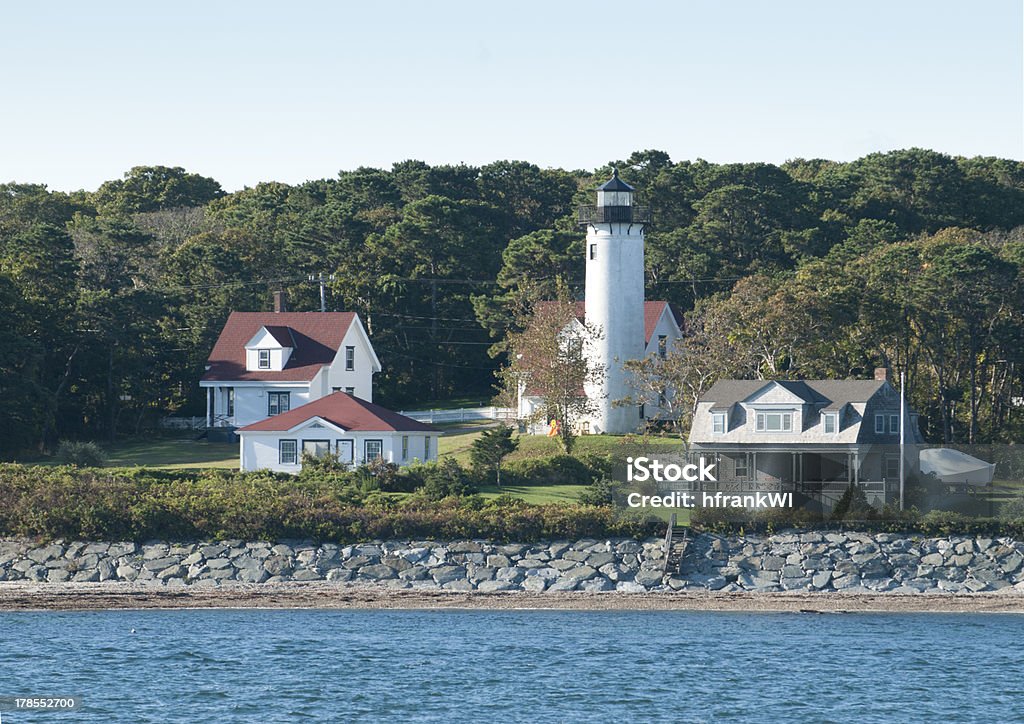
{"points": [[804, 562]]}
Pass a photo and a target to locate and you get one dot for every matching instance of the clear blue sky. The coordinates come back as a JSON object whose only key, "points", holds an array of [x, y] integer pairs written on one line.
{"points": [[254, 91]]}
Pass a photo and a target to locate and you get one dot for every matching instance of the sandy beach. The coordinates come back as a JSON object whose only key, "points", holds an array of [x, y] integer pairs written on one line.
{"points": [[320, 595]]}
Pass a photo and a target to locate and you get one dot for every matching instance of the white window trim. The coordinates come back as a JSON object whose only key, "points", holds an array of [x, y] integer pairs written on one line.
{"points": [[261, 363], [761, 421], [350, 358], [717, 417], [879, 424], [832, 417], [894, 429], [294, 453]]}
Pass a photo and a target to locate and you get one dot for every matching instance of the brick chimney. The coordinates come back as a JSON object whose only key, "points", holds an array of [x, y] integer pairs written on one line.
{"points": [[883, 374], [281, 302]]}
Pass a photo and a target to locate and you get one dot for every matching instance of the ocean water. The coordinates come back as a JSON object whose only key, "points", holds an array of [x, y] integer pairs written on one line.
{"points": [[513, 666]]}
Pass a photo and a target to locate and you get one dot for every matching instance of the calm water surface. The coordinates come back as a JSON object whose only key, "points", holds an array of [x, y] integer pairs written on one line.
{"points": [[530, 666]]}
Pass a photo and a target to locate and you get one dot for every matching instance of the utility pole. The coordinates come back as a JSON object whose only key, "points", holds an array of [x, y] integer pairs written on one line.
{"points": [[903, 414], [323, 283]]}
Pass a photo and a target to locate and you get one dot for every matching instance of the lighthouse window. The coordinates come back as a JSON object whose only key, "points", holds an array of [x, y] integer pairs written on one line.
{"points": [[593, 251], [662, 345]]}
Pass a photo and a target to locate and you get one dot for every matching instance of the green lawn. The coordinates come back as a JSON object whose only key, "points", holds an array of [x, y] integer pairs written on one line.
{"points": [[536, 493], [458, 444], [171, 453]]}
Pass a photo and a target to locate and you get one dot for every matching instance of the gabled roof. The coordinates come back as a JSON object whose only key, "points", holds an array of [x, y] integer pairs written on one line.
{"points": [[652, 313], [314, 336], [344, 411], [281, 334], [831, 393]]}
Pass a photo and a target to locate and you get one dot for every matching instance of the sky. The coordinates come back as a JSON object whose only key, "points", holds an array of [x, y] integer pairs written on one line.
{"points": [[257, 91]]}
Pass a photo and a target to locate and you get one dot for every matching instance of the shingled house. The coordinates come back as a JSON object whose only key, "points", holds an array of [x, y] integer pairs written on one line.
{"points": [[811, 437]]}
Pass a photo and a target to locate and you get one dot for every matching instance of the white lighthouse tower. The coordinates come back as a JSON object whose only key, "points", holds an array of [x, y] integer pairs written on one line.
{"points": [[615, 298]]}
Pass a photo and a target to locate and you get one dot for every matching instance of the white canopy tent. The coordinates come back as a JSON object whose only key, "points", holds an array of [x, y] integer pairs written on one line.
{"points": [[954, 467]]}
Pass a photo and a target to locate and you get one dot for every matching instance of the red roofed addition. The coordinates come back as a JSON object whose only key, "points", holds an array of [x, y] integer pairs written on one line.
{"points": [[344, 411]]}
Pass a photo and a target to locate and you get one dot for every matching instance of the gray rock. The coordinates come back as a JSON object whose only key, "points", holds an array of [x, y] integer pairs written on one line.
{"points": [[339, 574], [277, 565], [821, 579], [447, 574], [415, 573], [459, 584], [86, 576], [498, 561], [648, 578], [563, 585], [45, 553], [597, 585], [159, 564], [535, 584], [630, 587], [306, 574], [378, 572], [583, 573], [489, 586], [57, 575], [282, 550], [175, 570]]}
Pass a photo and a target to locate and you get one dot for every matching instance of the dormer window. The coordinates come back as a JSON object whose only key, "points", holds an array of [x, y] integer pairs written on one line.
{"points": [[264, 359], [718, 423], [774, 421], [831, 421]]}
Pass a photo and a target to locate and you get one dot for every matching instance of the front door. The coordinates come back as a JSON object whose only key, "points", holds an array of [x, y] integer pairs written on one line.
{"points": [[345, 451]]}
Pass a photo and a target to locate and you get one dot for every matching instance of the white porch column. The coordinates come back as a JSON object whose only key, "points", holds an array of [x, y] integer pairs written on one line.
{"points": [[209, 416]]}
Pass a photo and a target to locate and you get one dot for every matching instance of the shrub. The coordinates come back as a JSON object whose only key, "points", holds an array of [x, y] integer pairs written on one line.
{"points": [[601, 492], [853, 505], [1013, 510], [553, 470], [446, 479], [82, 454]]}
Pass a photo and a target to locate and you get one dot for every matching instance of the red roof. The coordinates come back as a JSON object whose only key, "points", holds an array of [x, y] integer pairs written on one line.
{"points": [[317, 337], [345, 411], [652, 313]]}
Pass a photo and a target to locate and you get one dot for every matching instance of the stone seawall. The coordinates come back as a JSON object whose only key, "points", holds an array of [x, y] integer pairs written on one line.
{"points": [[796, 561]]}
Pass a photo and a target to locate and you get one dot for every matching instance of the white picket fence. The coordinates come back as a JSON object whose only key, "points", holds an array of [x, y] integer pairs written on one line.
{"points": [[183, 423], [464, 414]]}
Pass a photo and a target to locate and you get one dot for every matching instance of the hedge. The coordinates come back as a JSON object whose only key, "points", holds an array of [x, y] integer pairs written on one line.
{"points": [[110, 504]]}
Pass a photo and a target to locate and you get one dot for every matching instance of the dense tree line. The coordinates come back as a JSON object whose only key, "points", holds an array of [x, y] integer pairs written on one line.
{"points": [[113, 298]]}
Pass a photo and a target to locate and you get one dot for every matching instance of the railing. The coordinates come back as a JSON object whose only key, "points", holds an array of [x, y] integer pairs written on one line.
{"points": [[614, 214], [195, 423], [465, 414]]}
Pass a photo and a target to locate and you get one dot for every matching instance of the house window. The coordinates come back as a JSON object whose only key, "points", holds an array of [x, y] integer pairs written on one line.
{"points": [[879, 424], [373, 449], [350, 390], [231, 401], [350, 358], [316, 448], [345, 451], [892, 467], [662, 400], [642, 412], [405, 447], [742, 471], [662, 345], [426, 448], [774, 421], [718, 423], [593, 251], [278, 402], [264, 359], [286, 452], [831, 423], [894, 424]]}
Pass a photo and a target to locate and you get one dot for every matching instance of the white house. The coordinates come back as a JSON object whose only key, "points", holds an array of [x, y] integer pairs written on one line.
{"points": [[628, 327], [355, 430], [267, 363]]}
